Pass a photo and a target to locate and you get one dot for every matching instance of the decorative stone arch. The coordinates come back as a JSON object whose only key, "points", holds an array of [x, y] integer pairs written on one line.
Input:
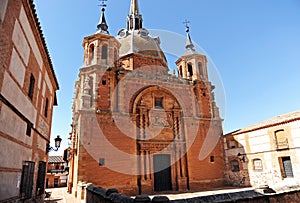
{"points": [[160, 132]]}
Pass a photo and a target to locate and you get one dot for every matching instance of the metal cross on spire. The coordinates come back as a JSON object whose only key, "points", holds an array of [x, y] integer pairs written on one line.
{"points": [[103, 3], [186, 22], [190, 48], [102, 25]]}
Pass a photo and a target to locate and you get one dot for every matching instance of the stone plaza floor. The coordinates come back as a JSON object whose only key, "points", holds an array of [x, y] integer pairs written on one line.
{"points": [[60, 195]]}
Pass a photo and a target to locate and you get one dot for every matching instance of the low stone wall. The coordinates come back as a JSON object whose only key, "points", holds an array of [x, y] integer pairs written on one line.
{"points": [[100, 195]]}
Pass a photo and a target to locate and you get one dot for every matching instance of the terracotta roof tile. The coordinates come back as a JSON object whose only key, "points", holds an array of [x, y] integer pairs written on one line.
{"points": [[55, 159], [38, 26]]}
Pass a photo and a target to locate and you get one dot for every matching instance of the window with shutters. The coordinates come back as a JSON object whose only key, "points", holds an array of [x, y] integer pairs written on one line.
{"points": [[40, 183], [27, 180]]}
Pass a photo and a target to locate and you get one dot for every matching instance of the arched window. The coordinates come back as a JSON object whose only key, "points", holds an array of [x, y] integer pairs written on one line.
{"points": [[180, 71], [235, 167], [281, 139], [200, 69], [104, 52], [115, 55], [91, 53], [190, 70]]}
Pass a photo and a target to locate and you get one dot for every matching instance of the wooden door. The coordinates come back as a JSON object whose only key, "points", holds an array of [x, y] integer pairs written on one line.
{"points": [[162, 175]]}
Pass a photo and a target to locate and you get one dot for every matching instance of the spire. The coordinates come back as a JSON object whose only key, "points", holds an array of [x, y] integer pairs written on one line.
{"points": [[189, 46], [134, 19], [102, 25], [134, 8]]}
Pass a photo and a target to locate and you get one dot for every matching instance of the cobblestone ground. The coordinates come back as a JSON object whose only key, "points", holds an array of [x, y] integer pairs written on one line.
{"points": [[60, 195]]}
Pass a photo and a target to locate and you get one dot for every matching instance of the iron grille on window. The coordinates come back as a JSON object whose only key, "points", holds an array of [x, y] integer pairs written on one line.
{"points": [[40, 188], [27, 180], [287, 167]]}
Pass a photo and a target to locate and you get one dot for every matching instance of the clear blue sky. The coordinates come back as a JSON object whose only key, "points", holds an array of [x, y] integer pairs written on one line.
{"points": [[255, 45]]}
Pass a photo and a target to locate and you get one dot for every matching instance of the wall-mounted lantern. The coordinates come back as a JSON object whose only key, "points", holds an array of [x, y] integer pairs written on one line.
{"points": [[57, 144], [241, 157]]}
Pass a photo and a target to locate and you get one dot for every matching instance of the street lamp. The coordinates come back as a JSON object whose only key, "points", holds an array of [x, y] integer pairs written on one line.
{"points": [[57, 144], [242, 157]]}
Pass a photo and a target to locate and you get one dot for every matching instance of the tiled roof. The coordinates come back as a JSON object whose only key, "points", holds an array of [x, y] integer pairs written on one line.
{"points": [[55, 159], [278, 120], [37, 24]]}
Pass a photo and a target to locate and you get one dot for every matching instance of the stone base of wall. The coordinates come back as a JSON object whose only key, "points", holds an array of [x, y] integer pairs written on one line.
{"points": [[200, 185]]}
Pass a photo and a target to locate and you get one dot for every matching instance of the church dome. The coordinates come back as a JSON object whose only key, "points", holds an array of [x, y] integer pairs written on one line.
{"points": [[139, 42]]}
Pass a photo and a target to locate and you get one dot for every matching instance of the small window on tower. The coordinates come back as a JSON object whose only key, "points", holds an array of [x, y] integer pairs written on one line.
{"points": [[190, 70], [104, 52], [115, 55], [91, 53], [103, 82], [200, 69], [180, 71], [159, 102]]}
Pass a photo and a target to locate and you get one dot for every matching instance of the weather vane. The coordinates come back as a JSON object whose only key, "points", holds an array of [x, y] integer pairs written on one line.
{"points": [[186, 22], [103, 3]]}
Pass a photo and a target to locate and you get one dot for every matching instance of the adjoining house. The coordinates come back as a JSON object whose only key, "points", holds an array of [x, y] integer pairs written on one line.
{"points": [[28, 88], [265, 154], [57, 172]]}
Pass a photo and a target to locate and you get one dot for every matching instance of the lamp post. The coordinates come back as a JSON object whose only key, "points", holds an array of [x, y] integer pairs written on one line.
{"points": [[57, 144]]}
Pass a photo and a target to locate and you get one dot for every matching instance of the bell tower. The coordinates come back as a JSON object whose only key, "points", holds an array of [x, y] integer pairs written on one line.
{"points": [[101, 48], [101, 51], [192, 65]]}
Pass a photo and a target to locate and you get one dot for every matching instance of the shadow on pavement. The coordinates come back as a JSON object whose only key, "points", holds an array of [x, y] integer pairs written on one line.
{"points": [[53, 200]]}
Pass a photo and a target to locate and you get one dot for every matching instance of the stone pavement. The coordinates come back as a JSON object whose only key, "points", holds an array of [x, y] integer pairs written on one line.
{"points": [[60, 195]]}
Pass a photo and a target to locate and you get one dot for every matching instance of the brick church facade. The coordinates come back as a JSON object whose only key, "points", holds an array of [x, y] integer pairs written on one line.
{"points": [[135, 126]]}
